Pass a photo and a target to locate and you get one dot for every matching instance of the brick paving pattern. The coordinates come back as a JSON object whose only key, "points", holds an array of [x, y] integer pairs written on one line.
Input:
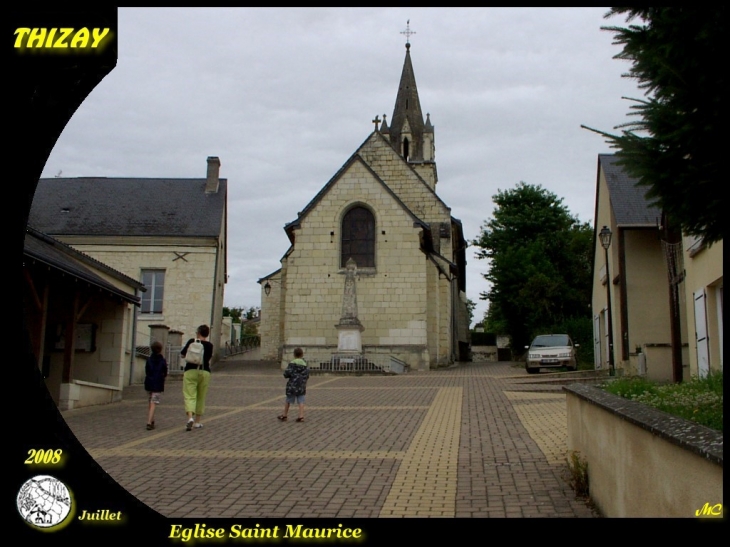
{"points": [[474, 440]]}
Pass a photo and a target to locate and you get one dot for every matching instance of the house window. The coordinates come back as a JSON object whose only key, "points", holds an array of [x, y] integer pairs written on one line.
{"points": [[358, 238], [154, 281]]}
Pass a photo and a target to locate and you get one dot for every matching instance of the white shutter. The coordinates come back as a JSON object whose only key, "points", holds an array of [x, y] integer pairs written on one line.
{"points": [[606, 331], [703, 355], [597, 342], [720, 321]]}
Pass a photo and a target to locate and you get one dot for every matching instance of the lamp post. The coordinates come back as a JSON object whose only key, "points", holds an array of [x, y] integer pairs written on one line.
{"points": [[605, 237]]}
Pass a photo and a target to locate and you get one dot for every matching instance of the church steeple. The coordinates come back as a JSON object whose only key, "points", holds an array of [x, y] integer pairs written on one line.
{"points": [[409, 136], [406, 126]]}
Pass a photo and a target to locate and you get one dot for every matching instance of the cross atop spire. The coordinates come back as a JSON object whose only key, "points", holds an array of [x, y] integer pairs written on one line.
{"points": [[408, 33]]}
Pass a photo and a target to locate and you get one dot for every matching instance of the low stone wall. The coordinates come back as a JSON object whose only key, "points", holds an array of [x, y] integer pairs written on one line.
{"points": [[79, 394], [484, 353], [643, 462]]}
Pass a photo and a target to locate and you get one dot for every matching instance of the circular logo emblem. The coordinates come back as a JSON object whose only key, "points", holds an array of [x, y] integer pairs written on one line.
{"points": [[44, 501]]}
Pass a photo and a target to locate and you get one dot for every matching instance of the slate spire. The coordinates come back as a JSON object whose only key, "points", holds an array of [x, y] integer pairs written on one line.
{"points": [[406, 126]]}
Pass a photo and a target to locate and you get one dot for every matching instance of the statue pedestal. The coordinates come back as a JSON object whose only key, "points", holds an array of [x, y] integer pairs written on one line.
{"points": [[349, 339]]}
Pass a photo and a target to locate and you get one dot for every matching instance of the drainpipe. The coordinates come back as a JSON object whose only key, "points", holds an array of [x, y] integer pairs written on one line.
{"points": [[134, 339], [214, 334]]}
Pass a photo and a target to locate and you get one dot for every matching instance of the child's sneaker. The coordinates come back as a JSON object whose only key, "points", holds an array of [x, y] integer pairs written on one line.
{"points": [[198, 425], [189, 425], [150, 426]]}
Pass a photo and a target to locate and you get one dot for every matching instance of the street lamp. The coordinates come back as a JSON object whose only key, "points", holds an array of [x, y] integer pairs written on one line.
{"points": [[605, 237]]}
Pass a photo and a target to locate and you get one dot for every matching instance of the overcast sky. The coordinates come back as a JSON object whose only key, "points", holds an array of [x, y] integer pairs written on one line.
{"points": [[284, 96]]}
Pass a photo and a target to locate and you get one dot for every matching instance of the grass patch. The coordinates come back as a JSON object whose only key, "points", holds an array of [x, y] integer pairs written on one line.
{"points": [[698, 400], [578, 474]]}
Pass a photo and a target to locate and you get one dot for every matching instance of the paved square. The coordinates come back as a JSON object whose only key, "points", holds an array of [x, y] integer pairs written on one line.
{"points": [[473, 440]]}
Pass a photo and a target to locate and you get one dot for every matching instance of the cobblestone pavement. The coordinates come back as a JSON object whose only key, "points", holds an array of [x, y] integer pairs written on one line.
{"points": [[473, 440]]}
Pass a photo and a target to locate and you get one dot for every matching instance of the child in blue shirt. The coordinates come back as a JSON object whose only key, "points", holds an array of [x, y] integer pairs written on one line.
{"points": [[154, 381]]}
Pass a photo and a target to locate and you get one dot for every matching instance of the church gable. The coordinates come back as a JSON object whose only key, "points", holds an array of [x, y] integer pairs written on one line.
{"points": [[402, 180], [319, 228], [322, 194], [314, 268]]}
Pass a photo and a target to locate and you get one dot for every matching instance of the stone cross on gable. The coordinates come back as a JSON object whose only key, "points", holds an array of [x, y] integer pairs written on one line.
{"points": [[376, 121]]}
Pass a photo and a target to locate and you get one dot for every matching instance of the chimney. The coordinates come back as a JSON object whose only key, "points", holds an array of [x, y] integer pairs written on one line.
{"points": [[214, 167]]}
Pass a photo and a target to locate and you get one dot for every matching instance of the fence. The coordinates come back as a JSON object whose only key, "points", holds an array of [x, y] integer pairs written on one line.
{"points": [[175, 361], [246, 343], [384, 364]]}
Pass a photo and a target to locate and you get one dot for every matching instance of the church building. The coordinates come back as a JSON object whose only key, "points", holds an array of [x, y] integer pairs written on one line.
{"points": [[376, 250]]}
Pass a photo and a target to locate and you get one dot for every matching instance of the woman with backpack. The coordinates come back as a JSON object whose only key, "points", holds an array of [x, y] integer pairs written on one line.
{"points": [[197, 353]]}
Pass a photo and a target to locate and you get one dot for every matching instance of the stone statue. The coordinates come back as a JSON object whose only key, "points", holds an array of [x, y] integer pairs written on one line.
{"points": [[349, 327]]}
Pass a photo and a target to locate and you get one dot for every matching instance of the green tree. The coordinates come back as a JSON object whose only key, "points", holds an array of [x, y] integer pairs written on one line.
{"points": [[249, 326], [470, 305], [235, 313], [252, 312], [674, 145], [539, 264]]}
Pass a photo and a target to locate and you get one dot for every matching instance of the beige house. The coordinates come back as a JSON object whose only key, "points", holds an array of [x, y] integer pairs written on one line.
{"points": [[634, 278], [170, 234], [78, 312], [703, 284], [381, 211]]}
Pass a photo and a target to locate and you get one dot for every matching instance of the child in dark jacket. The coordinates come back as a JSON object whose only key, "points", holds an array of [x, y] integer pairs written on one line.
{"points": [[296, 388], [154, 381]]}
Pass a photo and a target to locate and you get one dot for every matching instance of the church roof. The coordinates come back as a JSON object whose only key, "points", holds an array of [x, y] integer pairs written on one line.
{"points": [[272, 274], [407, 107], [419, 182], [356, 157], [102, 206], [628, 200], [360, 155]]}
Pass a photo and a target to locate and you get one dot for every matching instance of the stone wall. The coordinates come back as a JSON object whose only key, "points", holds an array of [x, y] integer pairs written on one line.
{"points": [[643, 462], [484, 353], [392, 296], [406, 300], [269, 327], [189, 282]]}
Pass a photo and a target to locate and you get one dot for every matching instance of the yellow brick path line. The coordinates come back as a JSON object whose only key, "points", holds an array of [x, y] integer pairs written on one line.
{"points": [[425, 485], [171, 453], [545, 421]]}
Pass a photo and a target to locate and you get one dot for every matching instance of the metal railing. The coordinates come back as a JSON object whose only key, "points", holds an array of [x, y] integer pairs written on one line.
{"points": [[246, 343], [384, 364], [175, 361]]}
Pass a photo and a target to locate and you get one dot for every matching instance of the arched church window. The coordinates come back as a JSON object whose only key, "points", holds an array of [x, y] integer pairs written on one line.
{"points": [[405, 149], [358, 238]]}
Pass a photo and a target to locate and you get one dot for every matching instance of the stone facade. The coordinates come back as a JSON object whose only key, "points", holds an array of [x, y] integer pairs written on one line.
{"points": [[184, 309], [175, 226], [411, 301]]}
